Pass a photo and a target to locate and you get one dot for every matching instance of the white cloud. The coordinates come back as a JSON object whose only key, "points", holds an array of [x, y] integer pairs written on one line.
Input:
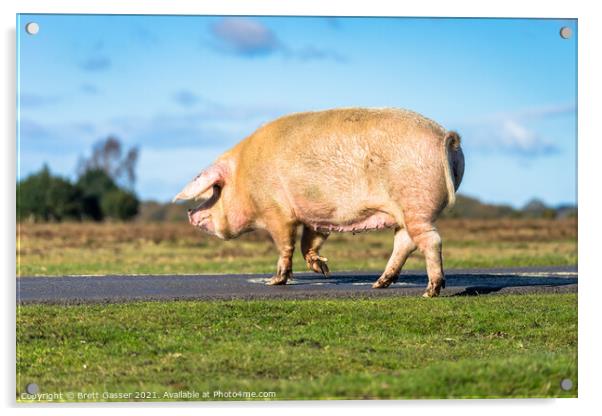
{"points": [[517, 138], [545, 111], [250, 38], [513, 132], [245, 36]]}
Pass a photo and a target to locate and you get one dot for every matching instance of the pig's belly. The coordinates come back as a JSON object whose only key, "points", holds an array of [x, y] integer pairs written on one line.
{"points": [[374, 221]]}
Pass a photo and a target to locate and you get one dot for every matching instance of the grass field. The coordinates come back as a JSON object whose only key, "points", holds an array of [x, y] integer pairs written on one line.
{"points": [[500, 346], [54, 249], [485, 346]]}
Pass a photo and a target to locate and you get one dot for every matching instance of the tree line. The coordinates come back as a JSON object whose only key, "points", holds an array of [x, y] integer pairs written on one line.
{"points": [[103, 189]]}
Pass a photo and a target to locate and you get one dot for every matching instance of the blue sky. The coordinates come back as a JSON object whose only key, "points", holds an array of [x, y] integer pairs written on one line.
{"points": [[185, 88]]}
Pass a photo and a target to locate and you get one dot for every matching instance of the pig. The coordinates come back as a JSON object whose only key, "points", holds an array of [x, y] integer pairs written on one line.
{"points": [[339, 170]]}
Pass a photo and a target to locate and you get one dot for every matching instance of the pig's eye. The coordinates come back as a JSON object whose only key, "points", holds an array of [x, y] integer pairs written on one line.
{"points": [[217, 191]]}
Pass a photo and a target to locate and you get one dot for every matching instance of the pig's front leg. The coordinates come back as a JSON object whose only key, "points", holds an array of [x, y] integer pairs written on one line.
{"points": [[283, 234], [311, 241]]}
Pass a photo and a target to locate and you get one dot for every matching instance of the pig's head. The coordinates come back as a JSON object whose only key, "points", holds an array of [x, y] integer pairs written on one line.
{"points": [[221, 211]]}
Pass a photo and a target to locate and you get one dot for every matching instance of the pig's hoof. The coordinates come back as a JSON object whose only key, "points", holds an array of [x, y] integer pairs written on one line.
{"points": [[383, 282], [277, 280], [433, 289], [318, 265]]}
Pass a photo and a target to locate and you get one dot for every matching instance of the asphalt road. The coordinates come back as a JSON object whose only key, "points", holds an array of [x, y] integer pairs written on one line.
{"points": [[106, 289]]}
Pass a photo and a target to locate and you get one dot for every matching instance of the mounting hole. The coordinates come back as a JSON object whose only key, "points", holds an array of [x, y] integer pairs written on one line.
{"points": [[32, 28], [566, 384], [566, 32], [32, 388]]}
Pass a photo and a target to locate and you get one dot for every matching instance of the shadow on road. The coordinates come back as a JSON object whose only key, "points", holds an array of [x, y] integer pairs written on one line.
{"points": [[472, 283]]}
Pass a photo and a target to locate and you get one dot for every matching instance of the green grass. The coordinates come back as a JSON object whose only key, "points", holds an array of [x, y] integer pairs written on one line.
{"points": [[499, 346]]}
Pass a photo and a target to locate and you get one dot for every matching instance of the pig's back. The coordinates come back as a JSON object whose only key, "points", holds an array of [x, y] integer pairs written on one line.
{"points": [[345, 138], [337, 163]]}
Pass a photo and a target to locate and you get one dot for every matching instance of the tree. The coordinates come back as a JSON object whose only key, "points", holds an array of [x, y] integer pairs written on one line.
{"points": [[94, 185], [106, 180], [107, 157], [120, 205], [536, 208], [64, 201], [43, 197], [103, 189], [31, 196]]}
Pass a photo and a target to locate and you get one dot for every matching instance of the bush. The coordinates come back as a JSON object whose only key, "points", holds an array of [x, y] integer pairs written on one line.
{"points": [[64, 200], [43, 197], [119, 205], [94, 185]]}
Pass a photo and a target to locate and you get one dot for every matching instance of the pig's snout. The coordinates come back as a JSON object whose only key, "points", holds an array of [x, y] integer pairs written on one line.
{"points": [[198, 218], [193, 217]]}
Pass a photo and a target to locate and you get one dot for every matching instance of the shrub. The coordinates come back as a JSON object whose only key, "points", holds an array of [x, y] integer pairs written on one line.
{"points": [[43, 197], [119, 205]]}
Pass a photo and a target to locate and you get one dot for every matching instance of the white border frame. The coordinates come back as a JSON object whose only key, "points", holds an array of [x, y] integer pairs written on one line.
{"points": [[589, 152]]}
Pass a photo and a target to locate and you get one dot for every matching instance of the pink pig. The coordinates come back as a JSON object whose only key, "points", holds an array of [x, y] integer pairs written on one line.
{"points": [[338, 170]]}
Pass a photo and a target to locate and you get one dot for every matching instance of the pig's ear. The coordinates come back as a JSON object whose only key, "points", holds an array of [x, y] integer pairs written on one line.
{"points": [[213, 175]]}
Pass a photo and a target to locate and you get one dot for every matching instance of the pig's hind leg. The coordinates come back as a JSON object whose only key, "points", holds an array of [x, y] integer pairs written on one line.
{"points": [[427, 238], [403, 246], [283, 233], [311, 241]]}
